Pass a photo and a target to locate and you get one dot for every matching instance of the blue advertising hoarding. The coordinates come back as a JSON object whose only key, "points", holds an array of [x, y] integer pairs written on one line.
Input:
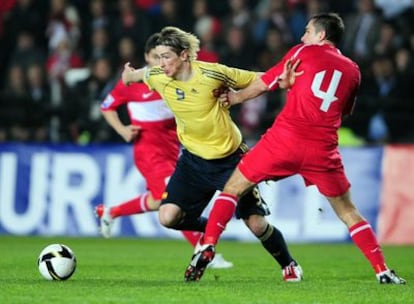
{"points": [[52, 190]]}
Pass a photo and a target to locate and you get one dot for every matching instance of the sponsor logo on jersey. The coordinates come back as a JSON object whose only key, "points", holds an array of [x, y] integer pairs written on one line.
{"points": [[147, 95]]}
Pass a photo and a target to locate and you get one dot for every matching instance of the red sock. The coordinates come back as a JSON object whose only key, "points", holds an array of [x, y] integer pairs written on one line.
{"points": [[134, 206], [220, 215], [192, 236], [364, 237]]}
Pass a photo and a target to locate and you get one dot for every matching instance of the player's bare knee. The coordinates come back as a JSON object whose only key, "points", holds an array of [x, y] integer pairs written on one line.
{"points": [[234, 189], [168, 223], [168, 217], [351, 217], [167, 220], [229, 189], [237, 185], [257, 224]]}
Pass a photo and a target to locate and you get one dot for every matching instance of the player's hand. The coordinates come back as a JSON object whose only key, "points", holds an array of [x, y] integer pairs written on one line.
{"points": [[130, 132], [221, 95], [126, 73], [227, 97], [289, 74], [220, 91]]}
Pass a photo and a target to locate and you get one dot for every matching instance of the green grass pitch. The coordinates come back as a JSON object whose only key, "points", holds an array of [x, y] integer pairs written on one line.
{"points": [[128, 270]]}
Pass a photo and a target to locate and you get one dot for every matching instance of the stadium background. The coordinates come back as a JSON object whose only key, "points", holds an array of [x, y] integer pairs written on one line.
{"points": [[58, 158]]}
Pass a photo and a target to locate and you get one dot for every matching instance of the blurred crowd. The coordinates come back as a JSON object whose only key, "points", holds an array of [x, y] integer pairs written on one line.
{"points": [[59, 59]]}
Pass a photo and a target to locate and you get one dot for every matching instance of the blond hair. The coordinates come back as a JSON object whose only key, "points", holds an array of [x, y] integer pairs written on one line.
{"points": [[179, 40]]}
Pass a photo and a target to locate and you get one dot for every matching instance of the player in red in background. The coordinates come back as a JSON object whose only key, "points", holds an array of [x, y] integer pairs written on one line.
{"points": [[303, 139], [155, 147]]}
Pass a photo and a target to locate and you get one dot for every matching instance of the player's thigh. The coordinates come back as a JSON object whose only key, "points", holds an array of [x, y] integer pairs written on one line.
{"points": [[187, 189], [331, 183], [269, 161], [324, 168]]}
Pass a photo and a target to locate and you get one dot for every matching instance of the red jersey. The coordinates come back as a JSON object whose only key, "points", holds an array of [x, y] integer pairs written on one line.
{"points": [[156, 148], [145, 107], [321, 96], [303, 139]]}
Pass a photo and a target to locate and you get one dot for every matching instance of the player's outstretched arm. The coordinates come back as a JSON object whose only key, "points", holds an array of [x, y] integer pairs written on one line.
{"points": [[233, 97], [256, 88], [130, 74]]}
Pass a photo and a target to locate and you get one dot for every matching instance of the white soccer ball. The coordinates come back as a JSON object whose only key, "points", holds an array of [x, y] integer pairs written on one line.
{"points": [[56, 262]]}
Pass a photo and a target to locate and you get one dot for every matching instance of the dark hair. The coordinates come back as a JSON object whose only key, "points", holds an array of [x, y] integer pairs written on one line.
{"points": [[331, 23], [151, 42]]}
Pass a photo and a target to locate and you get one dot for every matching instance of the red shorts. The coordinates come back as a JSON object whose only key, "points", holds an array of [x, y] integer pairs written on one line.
{"points": [[277, 156], [155, 156]]}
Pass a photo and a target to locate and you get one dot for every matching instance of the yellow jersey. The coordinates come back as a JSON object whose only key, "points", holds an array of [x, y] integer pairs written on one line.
{"points": [[204, 127]]}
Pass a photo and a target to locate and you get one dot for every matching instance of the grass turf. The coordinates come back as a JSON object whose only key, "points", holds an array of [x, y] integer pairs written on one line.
{"points": [[151, 271]]}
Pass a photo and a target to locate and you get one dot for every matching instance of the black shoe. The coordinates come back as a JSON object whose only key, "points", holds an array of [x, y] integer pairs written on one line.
{"points": [[199, 263]]}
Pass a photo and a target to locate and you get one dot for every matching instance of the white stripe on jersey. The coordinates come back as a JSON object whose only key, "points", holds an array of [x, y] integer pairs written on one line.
{"points": [[155, 110], [273, 83], [300, 49]]}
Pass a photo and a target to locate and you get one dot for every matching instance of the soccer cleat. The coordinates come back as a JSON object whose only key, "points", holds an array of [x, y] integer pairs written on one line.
{"points": [[105, 219], [219, 262], [390, 277], [199, 263], [292, 273]]}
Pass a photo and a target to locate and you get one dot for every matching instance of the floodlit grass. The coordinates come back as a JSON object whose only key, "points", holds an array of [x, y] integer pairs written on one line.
{"points": [[151, 271]]}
